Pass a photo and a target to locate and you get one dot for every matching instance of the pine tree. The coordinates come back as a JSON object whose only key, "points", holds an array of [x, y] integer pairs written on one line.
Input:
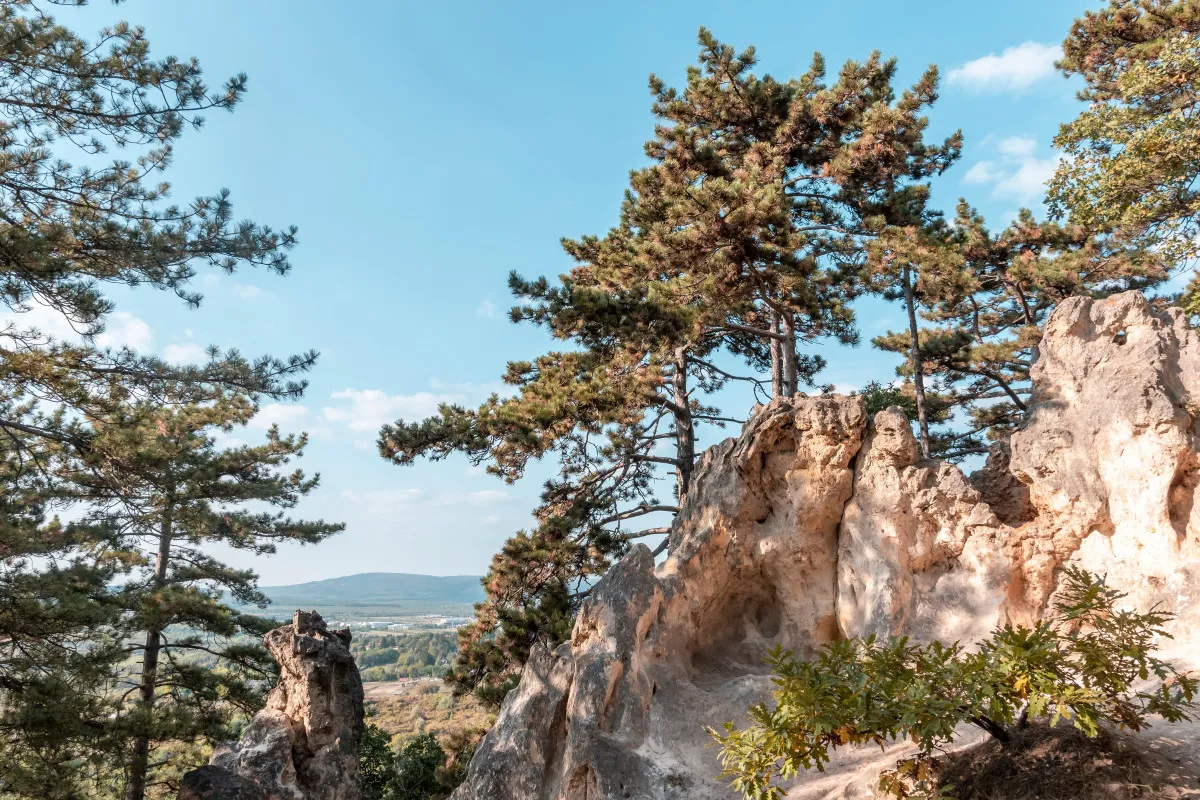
{"points": [[60, 624], [986, 297], [761, 195], [899, 257], [1133, 156], [590, 411], [744, 236], [71, 225], [157, 481]]}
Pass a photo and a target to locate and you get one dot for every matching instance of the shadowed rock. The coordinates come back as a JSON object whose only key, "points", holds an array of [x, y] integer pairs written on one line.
{"points": [[213, 783]]}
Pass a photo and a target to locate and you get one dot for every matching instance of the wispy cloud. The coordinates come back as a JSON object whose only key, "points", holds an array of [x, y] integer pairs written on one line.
{"points": [[1015, 69], [388, 502], [1016, 172], [365, 410], [487, 309], [187, 353], [485, 497], [125, 330], [1018, 146], [247, 291]]}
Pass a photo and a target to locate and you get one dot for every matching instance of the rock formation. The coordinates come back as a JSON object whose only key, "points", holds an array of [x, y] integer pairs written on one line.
{"points": [[304, 744], [817, 523]]}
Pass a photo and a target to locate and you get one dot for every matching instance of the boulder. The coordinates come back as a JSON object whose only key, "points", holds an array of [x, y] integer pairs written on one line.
{"points": [[214, 783], [304, 744]]}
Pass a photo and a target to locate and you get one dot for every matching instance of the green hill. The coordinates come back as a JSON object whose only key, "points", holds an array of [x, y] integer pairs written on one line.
{"points": [[379, 594]]}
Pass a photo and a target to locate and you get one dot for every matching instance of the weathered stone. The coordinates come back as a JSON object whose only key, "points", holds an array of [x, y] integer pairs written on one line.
{"points": [[1109, 452], [657, 654], [214, 783], [813, 524], [919, 553], [1000, 489], [304, 744]]}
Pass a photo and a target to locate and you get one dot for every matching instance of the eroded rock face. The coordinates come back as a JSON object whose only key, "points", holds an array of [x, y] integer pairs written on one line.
{"points": [[816, 523], [304, 744], [1109, 453], [919, 553], [658, 654], [213, 783]]}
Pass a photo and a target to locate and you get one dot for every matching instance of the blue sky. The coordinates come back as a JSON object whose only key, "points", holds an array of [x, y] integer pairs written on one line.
{"points": [[425, 150]]}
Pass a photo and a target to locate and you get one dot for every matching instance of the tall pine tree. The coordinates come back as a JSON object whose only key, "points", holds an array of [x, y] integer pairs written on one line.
{"points": [[74, 222], [157, 482]]}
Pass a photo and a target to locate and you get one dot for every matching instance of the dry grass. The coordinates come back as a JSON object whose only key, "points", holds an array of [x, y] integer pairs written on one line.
{"points": [[1062, 764]]}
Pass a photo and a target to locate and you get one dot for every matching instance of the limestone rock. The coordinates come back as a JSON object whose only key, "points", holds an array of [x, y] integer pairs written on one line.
{"points": [[304, 744], [816, 523], [919, 553], [1109, 452], [1000, 489], [657, 654]]}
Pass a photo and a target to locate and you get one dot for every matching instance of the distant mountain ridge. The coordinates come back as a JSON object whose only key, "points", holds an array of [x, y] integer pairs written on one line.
{"points": [[378, 592]]}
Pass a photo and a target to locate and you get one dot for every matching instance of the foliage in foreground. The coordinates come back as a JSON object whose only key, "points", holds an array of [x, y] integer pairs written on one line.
{"points": [[420, 770], [1084, 665]]}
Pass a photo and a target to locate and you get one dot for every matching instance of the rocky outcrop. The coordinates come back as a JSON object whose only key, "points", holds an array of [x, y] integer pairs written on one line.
{"points": [[817, 523], [304, 744], [1109, 453], [919, 553]]}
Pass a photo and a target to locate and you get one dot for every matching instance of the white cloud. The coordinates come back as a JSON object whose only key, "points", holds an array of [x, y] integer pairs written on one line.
{"points": [[485, 497], [247, 291], [1017, 173], [1015, 69], [188, 353], [382, 502], [388, 503], [45, 321], [285, 416], [487, 309], [368, 409], [228, 442], [1028, 183], [121, 329], [125, 330], [982, 172], [1018, 146], [490, 519]]}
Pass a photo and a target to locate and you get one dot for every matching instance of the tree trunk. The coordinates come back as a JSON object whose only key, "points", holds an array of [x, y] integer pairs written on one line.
{"points": [[140, 761], [915, 359], [685, 432], [791, 380], [776, 359]]}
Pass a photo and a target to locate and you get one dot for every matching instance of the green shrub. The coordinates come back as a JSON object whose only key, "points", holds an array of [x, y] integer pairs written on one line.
{"points": [[1087, 665], [420, 770]]}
